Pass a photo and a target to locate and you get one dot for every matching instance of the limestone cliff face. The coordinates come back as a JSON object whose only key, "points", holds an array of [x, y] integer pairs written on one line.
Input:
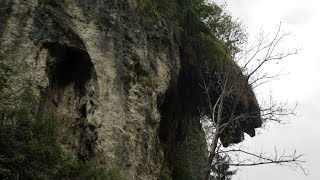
{"points": [[122, 88], [93, 62]]}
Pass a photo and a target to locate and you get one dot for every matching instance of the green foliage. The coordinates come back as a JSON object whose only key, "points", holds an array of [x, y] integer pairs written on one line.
{"points": [[191, 158], [165, 173], [228, 31], [73, 168], [221, 169], [28, 148], [209, 49], [204, 25]]}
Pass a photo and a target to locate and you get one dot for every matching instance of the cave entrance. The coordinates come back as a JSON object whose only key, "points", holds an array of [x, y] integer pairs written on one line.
{"points": [[68, 65], [71, 93]]}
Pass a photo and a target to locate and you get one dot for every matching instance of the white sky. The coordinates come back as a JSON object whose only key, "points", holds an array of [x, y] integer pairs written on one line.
{"points": [[302, 19]]}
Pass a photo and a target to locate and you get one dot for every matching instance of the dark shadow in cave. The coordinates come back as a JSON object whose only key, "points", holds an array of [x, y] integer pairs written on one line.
{"points": [[179, 108], [68, 65]]}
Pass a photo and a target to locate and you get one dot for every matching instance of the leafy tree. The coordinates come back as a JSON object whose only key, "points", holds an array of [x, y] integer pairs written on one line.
{"points": [[220, 169]]}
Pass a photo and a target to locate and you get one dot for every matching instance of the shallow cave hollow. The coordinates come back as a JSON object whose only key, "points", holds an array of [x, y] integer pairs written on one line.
{"points": [[68, 65], [179, 109], [71, 68]]}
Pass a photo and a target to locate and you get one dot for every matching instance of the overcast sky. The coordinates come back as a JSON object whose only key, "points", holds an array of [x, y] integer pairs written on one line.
{"points": [[301, 85]]}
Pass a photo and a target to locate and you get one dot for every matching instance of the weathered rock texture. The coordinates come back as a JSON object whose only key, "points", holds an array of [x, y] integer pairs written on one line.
{"points": [[93, 62], [118, 83]]}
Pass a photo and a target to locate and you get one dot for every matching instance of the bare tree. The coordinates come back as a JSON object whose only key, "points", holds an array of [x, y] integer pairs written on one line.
{"points": [[228, 87]]}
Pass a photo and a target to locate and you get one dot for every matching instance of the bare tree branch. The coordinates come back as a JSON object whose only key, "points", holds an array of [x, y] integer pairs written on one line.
{"points": [[232, 85]]}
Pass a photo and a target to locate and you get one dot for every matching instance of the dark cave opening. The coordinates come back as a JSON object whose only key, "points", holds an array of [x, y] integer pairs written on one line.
{"points": [[72, 83], [68, 65], [179, 109]]}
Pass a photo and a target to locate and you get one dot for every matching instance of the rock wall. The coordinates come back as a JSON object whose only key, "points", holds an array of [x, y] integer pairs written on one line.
{"points": [[94, 63], [119, 80]]}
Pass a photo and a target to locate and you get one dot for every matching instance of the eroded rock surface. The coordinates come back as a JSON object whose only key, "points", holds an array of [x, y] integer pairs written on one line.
{"points": [[93, 62], [117, 79]]}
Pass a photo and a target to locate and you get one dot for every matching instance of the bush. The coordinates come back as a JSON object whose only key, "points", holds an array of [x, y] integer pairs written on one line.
{"points": [[165, 173], [73, 168], [190, 161]]}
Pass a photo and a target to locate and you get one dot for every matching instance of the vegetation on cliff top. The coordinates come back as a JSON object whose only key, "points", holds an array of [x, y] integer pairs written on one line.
{"points": [[206, 34], [209, 39], [208, 26]]}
